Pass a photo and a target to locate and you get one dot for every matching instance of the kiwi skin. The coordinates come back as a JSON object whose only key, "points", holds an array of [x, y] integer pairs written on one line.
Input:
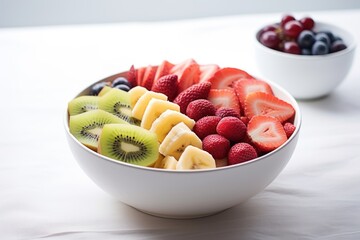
{"points": [[129, 143], [86, 127], [83, 104]]}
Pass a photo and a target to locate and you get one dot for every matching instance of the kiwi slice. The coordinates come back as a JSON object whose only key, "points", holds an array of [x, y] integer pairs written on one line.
{"points": [[117, 102], [83, 104], [86, 127], [129, 143]]}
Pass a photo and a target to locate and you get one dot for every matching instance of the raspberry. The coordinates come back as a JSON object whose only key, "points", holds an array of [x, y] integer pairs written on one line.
{"points": [[241, 152], [289, 129], [231, 128], [216, 145], [200, 108], [206, 126], [227, 112]]}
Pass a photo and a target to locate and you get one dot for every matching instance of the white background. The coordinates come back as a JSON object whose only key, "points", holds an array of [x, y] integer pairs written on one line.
{"points": [[53, 12]]}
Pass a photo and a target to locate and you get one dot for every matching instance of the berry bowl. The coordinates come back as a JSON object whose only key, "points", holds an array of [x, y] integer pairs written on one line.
{"points": [[183, 193], [304, 75]]}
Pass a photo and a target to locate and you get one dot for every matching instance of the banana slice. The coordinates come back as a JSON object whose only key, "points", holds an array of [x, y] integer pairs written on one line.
{"points": [[167, 120], [141, 104], [178, 139], [168, 162], [195, 158], [135, 93], [154, 109]]}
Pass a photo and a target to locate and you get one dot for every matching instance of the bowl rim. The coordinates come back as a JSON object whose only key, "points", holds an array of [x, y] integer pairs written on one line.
{"points": [[292, 101], [351, 44]]}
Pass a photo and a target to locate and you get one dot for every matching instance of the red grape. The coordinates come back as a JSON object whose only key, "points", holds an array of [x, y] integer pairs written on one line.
{"points": [[307, 22], [293, 29], [286, 18], [270, 39], [292, 47]]}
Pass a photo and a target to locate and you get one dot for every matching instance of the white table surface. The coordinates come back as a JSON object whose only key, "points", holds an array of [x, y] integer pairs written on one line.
{"points": [[45, 195]]}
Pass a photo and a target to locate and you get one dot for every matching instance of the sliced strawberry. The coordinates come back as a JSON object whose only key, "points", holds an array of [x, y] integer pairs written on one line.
{"points": [[224, 98], [188, 73], [163, 69], [148, 78], [289, 129], [266, 132], [140, 75], [131, 76], [207, 71], [225, 77], [260, 103], [245, 86]]}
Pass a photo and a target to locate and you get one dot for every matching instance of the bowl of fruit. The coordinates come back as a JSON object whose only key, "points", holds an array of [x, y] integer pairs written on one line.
{"points": [[182, 140], [308, 58]]}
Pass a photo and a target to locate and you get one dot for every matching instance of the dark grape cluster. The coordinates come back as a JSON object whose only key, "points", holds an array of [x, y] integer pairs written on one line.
{"points": [[298, 37]]}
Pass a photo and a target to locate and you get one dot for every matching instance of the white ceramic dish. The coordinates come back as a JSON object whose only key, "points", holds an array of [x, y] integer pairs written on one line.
{"points": [[307, 77], [184, 194]]}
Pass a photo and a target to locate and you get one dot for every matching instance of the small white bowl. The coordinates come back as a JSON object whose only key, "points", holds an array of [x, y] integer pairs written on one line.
{"points": [[307, 77], [184, 194]]}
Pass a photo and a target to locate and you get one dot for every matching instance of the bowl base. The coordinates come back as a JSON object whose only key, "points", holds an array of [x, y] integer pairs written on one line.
{"points": [[180, 216]]}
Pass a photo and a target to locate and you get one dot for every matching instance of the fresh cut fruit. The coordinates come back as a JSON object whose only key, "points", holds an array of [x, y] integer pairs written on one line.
{"points": [[86, 127], [266, 132], [117, 102], [129, 143], [188, 73], [195, 158], [143, 101], [225, 77], [260, 103], [154, 109], [179, 137], [83, 104], [167, 120]]}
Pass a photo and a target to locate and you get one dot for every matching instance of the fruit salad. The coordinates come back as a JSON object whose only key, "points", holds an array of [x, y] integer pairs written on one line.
{"points": [[182, 116], [297, 36]]}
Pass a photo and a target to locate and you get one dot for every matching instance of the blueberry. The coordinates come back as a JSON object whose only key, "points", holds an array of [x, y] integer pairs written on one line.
{"points": [[322, 36], [337, 45], [319, 48], [306, 39], [336, 38], [123, 87], [121, 80], [329, 34], [96, 88], [305, 51]]}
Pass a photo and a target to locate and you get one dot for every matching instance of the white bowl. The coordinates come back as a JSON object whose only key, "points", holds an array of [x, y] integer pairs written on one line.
{"points": [[307, 77], [184, 194]]}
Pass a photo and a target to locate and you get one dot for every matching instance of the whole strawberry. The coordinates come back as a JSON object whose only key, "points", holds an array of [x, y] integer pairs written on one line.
{"points": [[241, 152], [216, 145], [231, 128], [200, 108], [167, 85], [196, 91], [206, 126]]}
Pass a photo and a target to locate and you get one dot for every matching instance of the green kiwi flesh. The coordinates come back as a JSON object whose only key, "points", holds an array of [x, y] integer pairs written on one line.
{"points": [[86, 127], [117, 102], [82, 104], [129, 143]]}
